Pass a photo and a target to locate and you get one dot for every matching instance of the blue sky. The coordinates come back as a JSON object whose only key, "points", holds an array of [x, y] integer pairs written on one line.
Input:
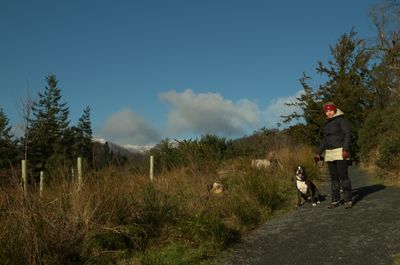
{"points": [[155, 69]]}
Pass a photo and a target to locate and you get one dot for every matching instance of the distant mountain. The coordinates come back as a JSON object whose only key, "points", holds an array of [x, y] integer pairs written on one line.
{"points": [[138, 148], [126, 149]]}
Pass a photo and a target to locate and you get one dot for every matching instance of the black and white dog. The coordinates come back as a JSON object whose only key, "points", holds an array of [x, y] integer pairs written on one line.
{"points": [[306, 189]]}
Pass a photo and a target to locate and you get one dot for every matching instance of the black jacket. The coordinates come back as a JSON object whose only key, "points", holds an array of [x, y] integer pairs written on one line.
{"points": [[336, 133]]}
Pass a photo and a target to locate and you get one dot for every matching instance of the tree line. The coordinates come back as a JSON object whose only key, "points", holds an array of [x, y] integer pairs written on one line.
{"points": [[49, 142], [363, 79]]}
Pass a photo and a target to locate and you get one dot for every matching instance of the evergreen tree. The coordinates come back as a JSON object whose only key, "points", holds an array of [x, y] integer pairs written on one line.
{"points": [[349, 79], [83, 138], [8, 148], [311, 106], [49, 125], [348, 85]]}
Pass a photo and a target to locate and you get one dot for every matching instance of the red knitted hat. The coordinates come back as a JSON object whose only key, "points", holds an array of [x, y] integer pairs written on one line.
{"points": [[330, 106]]}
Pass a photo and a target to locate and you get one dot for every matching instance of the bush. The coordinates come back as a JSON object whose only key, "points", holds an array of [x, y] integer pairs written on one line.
{"points": [[379, 125], [389, 154], [200, 155]]}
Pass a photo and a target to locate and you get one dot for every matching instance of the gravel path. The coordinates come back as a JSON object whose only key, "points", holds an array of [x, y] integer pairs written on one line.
{"points": [[369, 233]]}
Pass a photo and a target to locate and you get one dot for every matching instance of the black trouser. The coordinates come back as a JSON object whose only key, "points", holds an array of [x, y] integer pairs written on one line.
{"points": [[339, 178]]}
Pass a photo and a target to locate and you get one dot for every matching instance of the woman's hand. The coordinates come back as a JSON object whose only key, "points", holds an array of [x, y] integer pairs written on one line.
{"points": [[317, 158], [345, 154]]}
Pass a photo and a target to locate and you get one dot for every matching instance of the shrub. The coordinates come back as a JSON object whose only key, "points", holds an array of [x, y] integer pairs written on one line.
{"points": [[389, 154], [381, 126]]}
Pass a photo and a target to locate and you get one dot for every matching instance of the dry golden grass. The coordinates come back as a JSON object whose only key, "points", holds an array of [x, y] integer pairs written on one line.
{"points": [[118, 217]]}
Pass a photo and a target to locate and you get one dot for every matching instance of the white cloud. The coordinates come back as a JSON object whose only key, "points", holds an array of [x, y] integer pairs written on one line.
{"points": [[126, 127], [277, 108], [208, 113], [193, 113]]}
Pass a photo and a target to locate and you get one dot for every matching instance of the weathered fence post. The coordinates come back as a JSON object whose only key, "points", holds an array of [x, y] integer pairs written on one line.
{"points": [[79, 162], [24, 176], [151, 168], [41, 185]]}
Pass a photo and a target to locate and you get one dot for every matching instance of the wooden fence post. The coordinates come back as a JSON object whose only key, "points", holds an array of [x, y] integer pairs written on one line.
{"points": [[151, 168]]}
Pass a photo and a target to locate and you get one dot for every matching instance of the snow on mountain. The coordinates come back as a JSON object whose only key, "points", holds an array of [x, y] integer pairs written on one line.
{"points": [[124, 149], [99, 140], [138, 148]]}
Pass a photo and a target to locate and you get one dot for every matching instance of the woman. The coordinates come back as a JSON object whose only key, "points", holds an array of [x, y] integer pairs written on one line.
{"points": [[336, 144]]}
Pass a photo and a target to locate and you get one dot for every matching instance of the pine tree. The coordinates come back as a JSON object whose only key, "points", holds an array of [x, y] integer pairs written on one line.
{"points": [[8, 148], [349, 78], [49, 125], [348, 86], [311, 106], [83, 136]]}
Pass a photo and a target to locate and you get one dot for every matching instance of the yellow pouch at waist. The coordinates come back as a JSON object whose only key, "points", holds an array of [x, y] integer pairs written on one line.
{"points": [[333, 154]]}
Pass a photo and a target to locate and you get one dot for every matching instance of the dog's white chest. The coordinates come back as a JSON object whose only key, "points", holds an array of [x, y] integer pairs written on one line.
{"points": [[301, 185]]}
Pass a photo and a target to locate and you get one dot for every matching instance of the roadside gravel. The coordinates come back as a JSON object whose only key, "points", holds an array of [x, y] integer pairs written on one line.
{"points": [[369, 233]]}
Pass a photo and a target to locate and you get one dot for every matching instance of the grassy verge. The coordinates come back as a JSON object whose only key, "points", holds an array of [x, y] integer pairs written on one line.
{"points": [[387, 178], [125, 219]]}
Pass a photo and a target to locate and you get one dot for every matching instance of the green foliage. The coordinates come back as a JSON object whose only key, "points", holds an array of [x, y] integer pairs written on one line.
{"points": [[58, 165], [349, 81], [374, 127], [48, 126], [383, 126], [167, 156], [201, 155], [352, 84], [83, 146], [8, 147], [264, 140], [310, 104], [389, 154], [52, 144]]}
